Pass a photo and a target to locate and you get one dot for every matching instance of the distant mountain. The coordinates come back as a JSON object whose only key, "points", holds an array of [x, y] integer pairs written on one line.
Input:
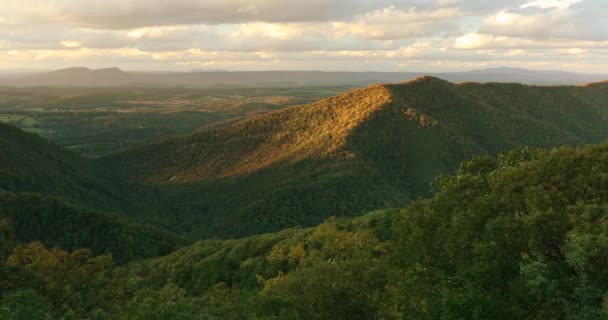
{"points": [[76, 77], [371, 148], [83, 77], [543, 77]]}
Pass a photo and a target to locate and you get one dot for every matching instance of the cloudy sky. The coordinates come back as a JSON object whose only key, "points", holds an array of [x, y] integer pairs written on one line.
{"points": [[384, 35]]}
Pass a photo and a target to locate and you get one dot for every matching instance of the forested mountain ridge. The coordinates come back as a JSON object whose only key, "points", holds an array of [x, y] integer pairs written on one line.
{"points": [[300, 165], [317, 130], [372, 148]]}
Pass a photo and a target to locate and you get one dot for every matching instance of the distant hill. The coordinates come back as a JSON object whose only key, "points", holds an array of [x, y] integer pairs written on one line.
{"points": [[84, 77], [74, 77], [371, 148]]}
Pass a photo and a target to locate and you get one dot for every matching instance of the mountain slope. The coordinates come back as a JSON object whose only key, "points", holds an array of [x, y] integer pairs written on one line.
{"points": [[371, 148], [56, 197], [55, 222], [29, 163]]}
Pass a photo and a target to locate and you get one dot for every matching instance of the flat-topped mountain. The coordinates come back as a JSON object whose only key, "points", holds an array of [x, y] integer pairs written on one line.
{"points": [[371, 148], [76, 77]]}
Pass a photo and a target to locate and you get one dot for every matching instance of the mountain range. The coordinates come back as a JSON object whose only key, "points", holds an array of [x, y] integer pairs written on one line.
{"points": [[376, 147], [85, 77]]}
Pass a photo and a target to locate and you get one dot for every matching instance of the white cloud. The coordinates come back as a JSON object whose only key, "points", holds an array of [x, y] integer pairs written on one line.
{"points": [[477, 41], [71, 44], [268, 30], [127, 14], [391, 23], [560, 20], [548, 4], [474, 41], [515, 53]]}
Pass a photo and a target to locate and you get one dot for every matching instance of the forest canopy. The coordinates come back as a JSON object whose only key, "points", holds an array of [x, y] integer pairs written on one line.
{"points": [[521, 235]]}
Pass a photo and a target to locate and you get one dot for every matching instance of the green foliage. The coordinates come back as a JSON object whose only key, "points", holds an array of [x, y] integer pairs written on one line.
{"points": [[39, 283], [338, 275], [519, 236], [527, 240], [55, 223], [25, 304]]}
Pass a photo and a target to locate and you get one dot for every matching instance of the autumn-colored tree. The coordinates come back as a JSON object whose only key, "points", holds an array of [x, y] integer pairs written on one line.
{"points": [[71, 280]]}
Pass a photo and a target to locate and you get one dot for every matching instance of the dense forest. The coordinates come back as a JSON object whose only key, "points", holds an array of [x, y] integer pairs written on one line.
{"points": [[520, 235]]}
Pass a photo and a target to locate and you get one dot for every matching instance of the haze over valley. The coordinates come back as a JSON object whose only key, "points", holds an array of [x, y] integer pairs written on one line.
{"points": [[115, 77]]}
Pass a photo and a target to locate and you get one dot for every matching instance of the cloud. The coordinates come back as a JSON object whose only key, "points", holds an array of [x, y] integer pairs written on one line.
{"points": [[316, 34], [548, 4], [128, 14], [567, 19], [391, 23], [479, 41], [71, 44]]}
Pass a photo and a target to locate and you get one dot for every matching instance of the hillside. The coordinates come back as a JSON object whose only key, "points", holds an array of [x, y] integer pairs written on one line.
{"points": [[518, 236], [57, 223], [55, 197], [29, 163], [371, 148]]}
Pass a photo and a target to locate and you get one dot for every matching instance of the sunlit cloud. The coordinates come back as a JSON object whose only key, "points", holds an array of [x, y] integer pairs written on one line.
{"points": [[547, 4], [71, 44]]}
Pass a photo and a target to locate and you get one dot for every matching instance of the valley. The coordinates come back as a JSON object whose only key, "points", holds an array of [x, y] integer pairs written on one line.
{"points": [[98, 121]]}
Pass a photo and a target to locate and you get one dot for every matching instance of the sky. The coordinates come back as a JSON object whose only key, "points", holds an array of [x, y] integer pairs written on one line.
{"points": [[356, 35]]}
